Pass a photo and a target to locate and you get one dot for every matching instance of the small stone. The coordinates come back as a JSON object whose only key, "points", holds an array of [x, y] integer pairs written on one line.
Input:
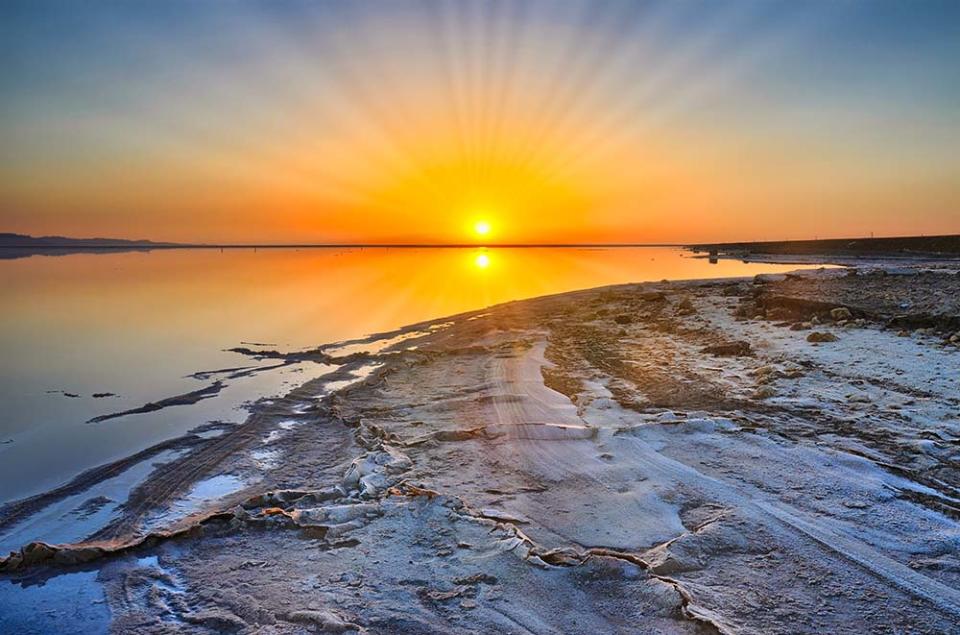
{"points": [[840, 313], [477, 578], [820, 336], [764, 392], [468, 604], [729, 349], [792, 370], [685, 307], [779, 313], [326, 621], [502, 516], [766, 374]]}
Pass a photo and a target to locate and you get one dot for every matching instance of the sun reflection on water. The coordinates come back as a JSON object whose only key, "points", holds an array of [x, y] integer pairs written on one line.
{"points": [[482, 260]]}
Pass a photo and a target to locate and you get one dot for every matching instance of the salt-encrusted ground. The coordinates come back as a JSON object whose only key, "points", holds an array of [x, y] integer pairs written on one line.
{"points": [[674, 457]]}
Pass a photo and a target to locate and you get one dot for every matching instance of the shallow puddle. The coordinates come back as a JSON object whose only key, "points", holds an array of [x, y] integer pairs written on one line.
{"points": [[70, 603]]}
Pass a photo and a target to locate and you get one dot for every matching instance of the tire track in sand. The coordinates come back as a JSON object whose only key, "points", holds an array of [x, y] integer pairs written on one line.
{"points": [[533, 406]]}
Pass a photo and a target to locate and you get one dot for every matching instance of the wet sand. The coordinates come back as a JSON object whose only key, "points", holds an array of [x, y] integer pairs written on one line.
{"points": [[777, 455]]}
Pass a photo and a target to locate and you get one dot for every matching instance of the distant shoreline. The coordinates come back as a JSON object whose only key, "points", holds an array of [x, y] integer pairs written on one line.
{"points": [[913, 247]]}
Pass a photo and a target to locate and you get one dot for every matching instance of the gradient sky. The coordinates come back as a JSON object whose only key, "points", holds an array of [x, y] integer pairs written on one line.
{"points": [[410, 121]]}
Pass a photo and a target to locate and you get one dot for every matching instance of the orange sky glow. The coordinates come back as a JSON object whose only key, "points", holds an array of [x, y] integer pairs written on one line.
{"points": [[550, 124]]}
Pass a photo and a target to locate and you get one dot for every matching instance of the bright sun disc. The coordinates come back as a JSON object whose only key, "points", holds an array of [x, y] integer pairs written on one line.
{"points": [[482, 228]]}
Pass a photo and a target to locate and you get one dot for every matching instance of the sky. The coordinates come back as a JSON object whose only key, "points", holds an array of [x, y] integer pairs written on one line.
{"points": [[539, 122]]}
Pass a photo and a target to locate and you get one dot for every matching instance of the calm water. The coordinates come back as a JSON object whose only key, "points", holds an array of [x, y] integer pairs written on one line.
{"points": [[137, 324]]}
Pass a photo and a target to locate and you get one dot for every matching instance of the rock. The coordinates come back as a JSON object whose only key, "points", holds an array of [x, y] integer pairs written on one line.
{"points": [[729, 349], [792, 370], [840, 313], [443, 596], [77, 555], [375, 471], [820, 336], [653, 296], [335, 514], [326, 621], [662, 561], [764, 392], [37, 552], [501, 516], [766, 374], [685, 307], [218, 621], [801, 326], [12, 562], [477, 578], [779, 313], [625, 318]]}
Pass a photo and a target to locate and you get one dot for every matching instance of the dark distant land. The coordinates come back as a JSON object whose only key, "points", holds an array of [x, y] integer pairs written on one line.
{"points": [[903, 247], [23, 241], [21, 246]]}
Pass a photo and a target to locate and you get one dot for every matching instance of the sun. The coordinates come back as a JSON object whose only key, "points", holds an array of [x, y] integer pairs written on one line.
{"points": [[481, 228]]}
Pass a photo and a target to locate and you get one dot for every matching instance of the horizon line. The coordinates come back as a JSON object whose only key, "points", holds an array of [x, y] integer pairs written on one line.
{"points": [[150, 244]]}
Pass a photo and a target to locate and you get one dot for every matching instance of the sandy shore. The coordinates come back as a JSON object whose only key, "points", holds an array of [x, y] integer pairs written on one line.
{"points": [[776, 455]]}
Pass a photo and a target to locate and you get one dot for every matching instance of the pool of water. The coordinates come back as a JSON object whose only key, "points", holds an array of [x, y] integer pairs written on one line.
{"points": [[70, 603]]}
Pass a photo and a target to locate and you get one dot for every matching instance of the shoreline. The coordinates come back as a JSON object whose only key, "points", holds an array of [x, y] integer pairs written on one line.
{"points": [[534, 419], [839, 251]]}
